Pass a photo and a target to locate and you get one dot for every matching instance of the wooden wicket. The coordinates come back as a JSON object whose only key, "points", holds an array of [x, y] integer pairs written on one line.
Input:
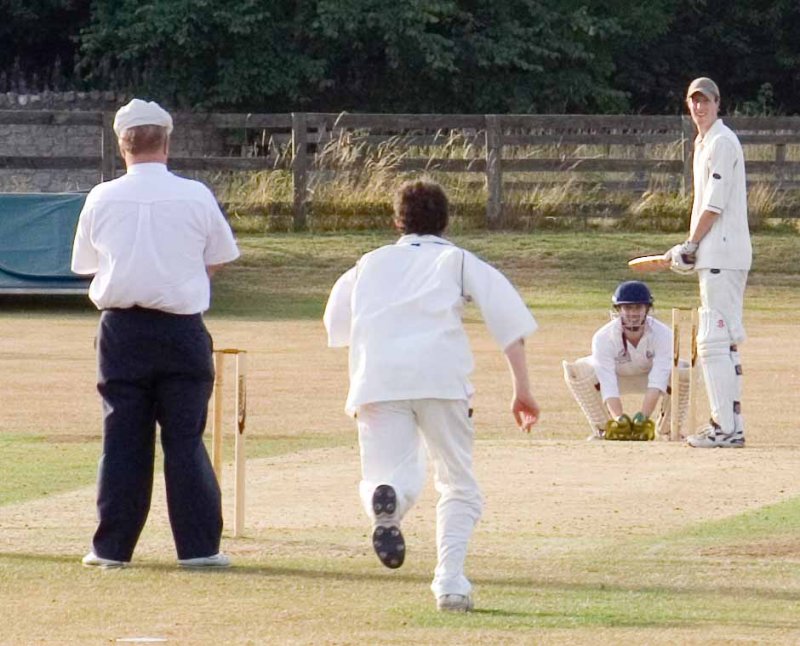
{"points": [[678, 313], [240, 420]]}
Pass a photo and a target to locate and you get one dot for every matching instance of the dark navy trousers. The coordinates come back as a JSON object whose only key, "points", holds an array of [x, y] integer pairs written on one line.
{"points": [[155, 367]]}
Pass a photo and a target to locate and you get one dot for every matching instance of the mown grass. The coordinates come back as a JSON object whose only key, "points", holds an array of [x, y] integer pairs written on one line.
{"points": [[616, 592], [36, 466], [734, 579], [779, 520], [288, 276]]}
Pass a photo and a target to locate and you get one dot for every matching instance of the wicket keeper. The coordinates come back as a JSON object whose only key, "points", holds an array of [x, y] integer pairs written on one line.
{"points": [[632, 353]]}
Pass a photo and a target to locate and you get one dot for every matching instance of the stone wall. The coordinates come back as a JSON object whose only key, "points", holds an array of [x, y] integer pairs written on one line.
{"points": [[31, 140]]}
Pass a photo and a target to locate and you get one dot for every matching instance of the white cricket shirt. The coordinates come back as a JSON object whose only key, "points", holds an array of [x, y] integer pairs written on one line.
{"points": [[147, 238], [612, 355], [720, 186], [399, 309]]}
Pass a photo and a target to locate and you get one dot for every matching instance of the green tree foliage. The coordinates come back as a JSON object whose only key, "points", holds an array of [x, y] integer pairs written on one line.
{"points": [[38, 42], [477, 56], [750, 47], [202, 53], [408, 55]]}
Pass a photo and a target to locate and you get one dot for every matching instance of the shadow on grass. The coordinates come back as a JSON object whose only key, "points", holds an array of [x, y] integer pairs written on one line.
{"points": [[234, 570], [42, 304], [523, 585]]}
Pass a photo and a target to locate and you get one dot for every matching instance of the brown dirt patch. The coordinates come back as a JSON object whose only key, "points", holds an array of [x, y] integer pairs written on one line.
{"points": [[553, 487], [541, 488], [552, 483]]}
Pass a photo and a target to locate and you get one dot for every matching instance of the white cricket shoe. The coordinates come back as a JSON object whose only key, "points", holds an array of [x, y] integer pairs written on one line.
{"points": [[92, 560], [454, 603], [219, 560], [712, 437]]}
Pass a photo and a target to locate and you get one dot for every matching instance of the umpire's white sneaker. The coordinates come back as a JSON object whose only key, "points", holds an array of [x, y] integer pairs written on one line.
{"points": [[387, 539], [712, 437], [219, 560], [92, 560], [454, 603]]}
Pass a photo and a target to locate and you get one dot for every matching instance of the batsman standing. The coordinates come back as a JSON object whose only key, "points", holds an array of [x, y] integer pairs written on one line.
{"points": [[152, 240], [719, 250], [400, 311]]}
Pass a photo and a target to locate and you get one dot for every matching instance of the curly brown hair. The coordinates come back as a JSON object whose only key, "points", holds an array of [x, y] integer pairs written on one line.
{"points": [[420, 207]]}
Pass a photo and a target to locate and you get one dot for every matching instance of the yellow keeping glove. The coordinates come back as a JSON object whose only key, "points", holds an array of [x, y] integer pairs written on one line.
{"points": [[619, 429], [643, 428]]}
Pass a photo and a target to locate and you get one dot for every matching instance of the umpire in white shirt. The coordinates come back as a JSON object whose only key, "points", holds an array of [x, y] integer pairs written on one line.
{"points": [[152, 240]]}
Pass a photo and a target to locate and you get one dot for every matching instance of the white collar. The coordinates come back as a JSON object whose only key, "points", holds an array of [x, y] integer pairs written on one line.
{"points": [[416, 239], [714, 127], [146, 168]]}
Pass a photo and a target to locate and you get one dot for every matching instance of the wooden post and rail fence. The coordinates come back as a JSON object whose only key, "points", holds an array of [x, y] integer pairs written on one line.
{"points": [[504, 153]]}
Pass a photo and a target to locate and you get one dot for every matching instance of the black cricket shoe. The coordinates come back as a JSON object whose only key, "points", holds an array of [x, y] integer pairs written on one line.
{"points": [[387, 539]]}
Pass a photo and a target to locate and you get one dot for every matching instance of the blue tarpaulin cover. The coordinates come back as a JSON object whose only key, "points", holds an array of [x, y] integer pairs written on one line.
{"points": [[36, 233]]}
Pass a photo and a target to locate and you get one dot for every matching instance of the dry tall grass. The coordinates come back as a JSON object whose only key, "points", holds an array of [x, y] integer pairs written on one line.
{"points": [[355, 173]]}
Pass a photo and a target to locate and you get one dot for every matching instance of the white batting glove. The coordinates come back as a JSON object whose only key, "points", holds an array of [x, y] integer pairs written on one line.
{"points": [[683, 257]]}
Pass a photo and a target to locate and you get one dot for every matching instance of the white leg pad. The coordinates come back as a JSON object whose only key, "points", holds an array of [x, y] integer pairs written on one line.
{"points": [[662, 423], [585, 388], [714, 351]]}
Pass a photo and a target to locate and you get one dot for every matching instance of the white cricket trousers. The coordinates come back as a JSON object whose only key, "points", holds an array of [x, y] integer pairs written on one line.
{"points": [[393, 437]]}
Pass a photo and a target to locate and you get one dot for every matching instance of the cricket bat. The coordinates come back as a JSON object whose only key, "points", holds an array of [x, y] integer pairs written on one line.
{"points": [[645, 264]]}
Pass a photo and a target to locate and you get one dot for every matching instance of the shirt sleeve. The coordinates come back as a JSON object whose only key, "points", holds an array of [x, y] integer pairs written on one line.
{"points": [[220, 243], [662, 361], [338, 311], [722, 161], [84, 255], [604, 366], [504, 312]]}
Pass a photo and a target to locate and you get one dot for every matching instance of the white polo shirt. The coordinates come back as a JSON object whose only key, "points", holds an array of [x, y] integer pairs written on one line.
{"points": [[147, 238], [399, 309], [720, 186], [612, 355]]}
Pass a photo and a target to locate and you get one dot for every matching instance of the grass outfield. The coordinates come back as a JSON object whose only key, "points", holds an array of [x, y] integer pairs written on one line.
{"points": [[622, 543], [288, 275]]}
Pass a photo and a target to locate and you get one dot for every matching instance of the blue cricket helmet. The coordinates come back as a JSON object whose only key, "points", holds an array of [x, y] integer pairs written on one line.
{"points": [[632, 291]]}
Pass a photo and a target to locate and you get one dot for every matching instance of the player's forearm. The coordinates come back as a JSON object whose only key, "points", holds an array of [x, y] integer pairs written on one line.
{"points": [[515, 356], [614, 406], [524, 407], [650, 400], [704, 224]]}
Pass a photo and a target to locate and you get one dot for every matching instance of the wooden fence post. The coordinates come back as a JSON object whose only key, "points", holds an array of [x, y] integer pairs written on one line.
{"points": [[494, 171], [780, 160], [640, 175], [299, 168], [108, 149], [687, 141]]}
